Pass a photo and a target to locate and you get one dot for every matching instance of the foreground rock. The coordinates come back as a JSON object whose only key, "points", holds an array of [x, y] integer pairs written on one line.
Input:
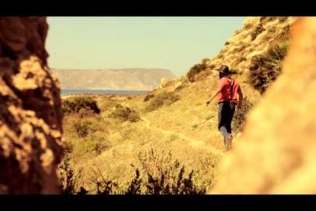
{"points": [[30, 109]]}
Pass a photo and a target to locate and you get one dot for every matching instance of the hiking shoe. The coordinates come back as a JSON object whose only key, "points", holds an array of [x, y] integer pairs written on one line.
{"points": [[229, 142]]}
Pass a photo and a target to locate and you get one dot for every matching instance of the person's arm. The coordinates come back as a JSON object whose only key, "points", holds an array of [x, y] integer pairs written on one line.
{"points": [[240, 98], [213, 96]]}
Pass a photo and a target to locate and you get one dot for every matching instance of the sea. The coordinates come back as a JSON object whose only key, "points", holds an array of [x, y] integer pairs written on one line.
{"points": [[67, 92]]}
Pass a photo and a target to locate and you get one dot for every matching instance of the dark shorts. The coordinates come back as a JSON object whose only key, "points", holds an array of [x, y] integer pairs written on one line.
{"points": [[226, 110]]}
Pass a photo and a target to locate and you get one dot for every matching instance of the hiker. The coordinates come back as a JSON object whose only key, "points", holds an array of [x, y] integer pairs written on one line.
{"points": [[227, 100]]}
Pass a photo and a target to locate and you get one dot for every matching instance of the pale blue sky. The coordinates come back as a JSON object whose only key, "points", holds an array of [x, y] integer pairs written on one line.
{"points": [[174, 43]]}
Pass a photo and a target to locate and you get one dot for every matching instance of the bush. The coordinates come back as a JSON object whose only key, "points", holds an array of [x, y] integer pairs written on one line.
{"points": [[205, 60], [257, 31], [272, 30], [82, 128], [90, 145], [158, 174], [212, 66], [166, 175], [75, 104], [265, 68], [203, 75], [265, 19], [195, 70], [240, 115], [148, 97], [66, 176], [124, 114], [284, 35], [161, 99], [282, 19]]}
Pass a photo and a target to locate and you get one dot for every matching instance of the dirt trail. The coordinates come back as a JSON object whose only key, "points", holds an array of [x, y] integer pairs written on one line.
{"points": [[191, 141]]}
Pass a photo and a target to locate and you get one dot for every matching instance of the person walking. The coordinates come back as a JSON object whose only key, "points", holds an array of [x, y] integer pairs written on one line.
{"points": [[227, 100]]}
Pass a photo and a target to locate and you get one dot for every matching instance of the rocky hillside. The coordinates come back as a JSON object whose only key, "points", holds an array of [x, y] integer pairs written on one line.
{"points": [[251, 40], [122, 79]]}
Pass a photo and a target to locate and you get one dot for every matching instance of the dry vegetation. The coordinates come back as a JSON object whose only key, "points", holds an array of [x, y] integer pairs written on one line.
{"points": [[266, 67], [165, 142]]}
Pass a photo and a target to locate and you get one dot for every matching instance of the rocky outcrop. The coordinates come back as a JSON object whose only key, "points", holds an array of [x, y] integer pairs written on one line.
{"points": [[277, 151], [30, 113]]}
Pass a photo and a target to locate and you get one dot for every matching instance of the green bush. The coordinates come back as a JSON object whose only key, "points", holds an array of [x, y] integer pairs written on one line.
{"points": [[79, 103], [265, 68], [195, 70], [162, 99], [125, 114]]}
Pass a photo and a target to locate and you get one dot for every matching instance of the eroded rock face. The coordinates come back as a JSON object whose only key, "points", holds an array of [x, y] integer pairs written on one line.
{"points": [[277, 151], [30, 109]]}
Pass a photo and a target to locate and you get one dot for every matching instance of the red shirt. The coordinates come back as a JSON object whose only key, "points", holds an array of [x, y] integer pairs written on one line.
{"points": [[225, 87]]}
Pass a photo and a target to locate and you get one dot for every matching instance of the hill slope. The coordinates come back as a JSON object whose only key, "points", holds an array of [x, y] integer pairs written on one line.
{"points": [[251, 40], [122, 79], [185, 127]]}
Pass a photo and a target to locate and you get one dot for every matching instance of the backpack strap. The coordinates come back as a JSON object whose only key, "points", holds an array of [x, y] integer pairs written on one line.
{"points": [[231, 88]]}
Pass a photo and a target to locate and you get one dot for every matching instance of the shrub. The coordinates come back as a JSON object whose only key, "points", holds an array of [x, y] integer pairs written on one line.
{"points": [[158, 173], [272, 30], [205, 60], [265, 19], [82, 128], [195, 70], [203, 75], [265, 68], [91, 145], [240, 115], [257, 31], [66, 176], [97, 144], [148, 97], [282, 19], [124, 114], [239, 60], [212, 66], [221, 54], [166, 175], [161, 99], [284, 35], [75, 104], [247, 26], [234, 71]]}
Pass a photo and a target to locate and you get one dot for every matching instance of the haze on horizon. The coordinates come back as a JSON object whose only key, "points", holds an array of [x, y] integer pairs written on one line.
{"points": [[173, 43]]}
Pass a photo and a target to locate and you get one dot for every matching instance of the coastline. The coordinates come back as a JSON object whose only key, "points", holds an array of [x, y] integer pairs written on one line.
{"points": [[66, 93]]}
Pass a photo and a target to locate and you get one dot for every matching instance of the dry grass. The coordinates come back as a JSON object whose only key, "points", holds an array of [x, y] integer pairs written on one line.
{"points": [[104, 154], [110, 147]]}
